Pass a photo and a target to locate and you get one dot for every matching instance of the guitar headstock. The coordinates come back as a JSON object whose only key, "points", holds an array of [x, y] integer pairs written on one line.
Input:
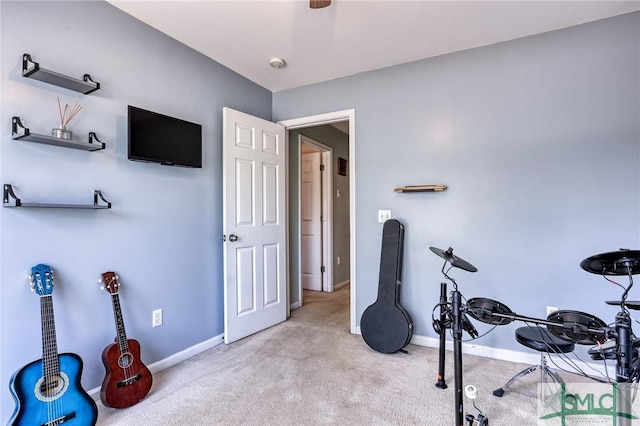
{"points": [[109, 282], [41, 280]]}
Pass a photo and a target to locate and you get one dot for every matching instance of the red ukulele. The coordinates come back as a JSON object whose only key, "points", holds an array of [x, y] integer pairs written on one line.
{"points": [[127, 379]]}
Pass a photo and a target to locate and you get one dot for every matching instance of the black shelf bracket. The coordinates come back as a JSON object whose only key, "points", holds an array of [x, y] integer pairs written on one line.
{"points": [[20, 132], [99, 201], [32, 69], [9, 199]]}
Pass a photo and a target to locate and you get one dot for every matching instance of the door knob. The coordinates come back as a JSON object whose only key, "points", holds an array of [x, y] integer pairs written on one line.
{"points": [[233, 238]]}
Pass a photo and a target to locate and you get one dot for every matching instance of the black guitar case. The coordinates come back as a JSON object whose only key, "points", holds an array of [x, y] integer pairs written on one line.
{"points": [[386, 326]]}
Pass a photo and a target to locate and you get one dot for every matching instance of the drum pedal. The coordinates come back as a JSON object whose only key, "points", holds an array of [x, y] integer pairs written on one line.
{"points": [[471, 392]]}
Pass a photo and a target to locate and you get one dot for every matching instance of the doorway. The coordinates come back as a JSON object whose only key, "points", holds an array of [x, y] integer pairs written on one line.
{"points": [[346, 118]]}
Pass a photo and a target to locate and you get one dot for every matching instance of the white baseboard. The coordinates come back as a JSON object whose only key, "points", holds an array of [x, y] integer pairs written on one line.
{"points": [[295, 305], [479, 350], [174, 359], [342, 284], [530, 358]]}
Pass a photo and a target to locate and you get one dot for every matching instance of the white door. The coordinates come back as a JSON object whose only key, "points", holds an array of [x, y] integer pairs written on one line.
{"points": [[311, 222], [254, 224]]}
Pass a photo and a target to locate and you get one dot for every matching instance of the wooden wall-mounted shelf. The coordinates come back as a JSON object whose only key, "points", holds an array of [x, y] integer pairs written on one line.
{"points": [[421, 188]]}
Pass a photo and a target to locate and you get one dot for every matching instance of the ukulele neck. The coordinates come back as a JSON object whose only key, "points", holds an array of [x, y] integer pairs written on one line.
{"points": [[121, 333]]}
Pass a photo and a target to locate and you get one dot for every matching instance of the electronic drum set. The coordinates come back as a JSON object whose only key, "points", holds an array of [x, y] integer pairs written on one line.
{"points": [[610, 342]]}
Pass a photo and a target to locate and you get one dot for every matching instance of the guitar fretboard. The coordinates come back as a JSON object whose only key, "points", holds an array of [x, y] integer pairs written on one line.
{"points": [[50, 362]]}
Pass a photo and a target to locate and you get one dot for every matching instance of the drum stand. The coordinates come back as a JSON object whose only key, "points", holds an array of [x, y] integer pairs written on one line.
{"points": [[455, 319], [626, 357], [442, 332], [626, 363], [455, 324], [627, 360]]}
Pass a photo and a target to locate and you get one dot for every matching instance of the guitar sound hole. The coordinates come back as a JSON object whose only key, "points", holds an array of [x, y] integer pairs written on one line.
{"points": [[125, 360], [51, 387]]}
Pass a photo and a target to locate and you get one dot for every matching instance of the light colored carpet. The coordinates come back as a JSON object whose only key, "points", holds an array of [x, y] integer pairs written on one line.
{"points": [[310, 370]]}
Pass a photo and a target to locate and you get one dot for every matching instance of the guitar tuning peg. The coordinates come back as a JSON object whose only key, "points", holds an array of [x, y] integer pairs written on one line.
{"points": [[99, 280], [117, 277], [101, 287]]}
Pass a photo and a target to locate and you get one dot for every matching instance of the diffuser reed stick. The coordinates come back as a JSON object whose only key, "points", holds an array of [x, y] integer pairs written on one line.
{"points": [[64, 118]]}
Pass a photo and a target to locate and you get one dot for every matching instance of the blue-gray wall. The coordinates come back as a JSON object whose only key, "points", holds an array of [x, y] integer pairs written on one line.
{"points": [[163, 235], [538, 140]]}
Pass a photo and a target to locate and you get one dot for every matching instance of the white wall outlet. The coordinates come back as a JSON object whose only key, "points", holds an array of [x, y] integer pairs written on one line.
{"points": [[339, 260], [551, 309], [156, 318], [384, 215]]}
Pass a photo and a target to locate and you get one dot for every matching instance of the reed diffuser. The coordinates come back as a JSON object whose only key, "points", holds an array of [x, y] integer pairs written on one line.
{"points": [[66, 116]]}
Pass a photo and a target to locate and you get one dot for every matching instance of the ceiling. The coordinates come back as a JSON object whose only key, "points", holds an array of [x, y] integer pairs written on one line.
{"points": [[352, 36]]}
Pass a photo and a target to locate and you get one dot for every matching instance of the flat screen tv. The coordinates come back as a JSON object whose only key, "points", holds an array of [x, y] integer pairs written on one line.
{"points": [[158, 138]]}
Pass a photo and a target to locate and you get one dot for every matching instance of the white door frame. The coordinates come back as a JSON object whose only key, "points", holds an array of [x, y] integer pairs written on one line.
{"points": [[328, 118], [326, 189]]}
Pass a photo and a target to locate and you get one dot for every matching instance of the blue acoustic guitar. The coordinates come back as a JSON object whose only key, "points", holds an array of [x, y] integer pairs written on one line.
{"points": [[48, 391]]}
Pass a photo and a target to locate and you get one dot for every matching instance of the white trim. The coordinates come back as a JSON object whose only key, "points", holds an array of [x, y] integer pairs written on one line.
{"points": [[287, 219], [327, 223], [479, 350], [340, 285], [299, 208], [174, 359], [320, 119], [509, 355], [328, 118], [295, 305]]}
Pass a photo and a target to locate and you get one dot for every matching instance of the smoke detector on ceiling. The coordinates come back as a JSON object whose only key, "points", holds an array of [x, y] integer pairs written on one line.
{"points": [[276, 62]]}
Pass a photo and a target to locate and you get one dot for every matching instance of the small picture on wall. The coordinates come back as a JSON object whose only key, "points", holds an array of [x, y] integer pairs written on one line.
{"points": [[342, 166]]}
